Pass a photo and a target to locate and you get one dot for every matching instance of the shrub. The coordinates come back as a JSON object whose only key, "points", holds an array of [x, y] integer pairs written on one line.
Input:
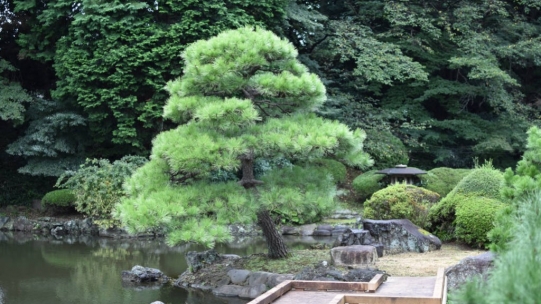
{"points": [[59, 198], [482, 182], [335, 168], [401, 201], [386, 149], [443, 180], [475, 218], [367, 183], [516, 276], [97, 186]]}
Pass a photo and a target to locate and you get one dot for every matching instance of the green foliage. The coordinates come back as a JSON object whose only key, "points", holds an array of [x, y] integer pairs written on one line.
{"points": [[442, 180], [54, 141], [97, 185], [475, 217], [243, 96], [482, 184], [335, 168], [386, 149], [59, 198], [367, 183], [13, 98], [517, 271], [19, 189], [112, 59], [401, 201], [527, 176]]}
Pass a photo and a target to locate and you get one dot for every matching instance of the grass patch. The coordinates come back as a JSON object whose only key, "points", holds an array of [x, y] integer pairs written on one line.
{"points": [[298, 260]]}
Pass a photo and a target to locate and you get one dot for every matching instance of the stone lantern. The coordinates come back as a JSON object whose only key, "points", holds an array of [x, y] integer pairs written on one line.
{"points": [[402, 174]]}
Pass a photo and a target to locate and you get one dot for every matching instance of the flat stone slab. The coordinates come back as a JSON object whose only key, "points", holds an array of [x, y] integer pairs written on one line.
{"points": [[354, 256]]}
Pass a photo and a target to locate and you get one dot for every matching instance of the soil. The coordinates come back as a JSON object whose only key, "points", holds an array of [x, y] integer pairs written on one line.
{"points": [[425, 264], [33, 213]]}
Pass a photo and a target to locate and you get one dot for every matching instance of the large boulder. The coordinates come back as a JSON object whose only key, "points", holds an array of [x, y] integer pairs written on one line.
{"points": [[354, 256], [399, 236], [478, 265], [197, 260]]}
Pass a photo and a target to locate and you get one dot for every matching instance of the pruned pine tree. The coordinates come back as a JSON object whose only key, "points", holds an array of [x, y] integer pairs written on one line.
{"points": [[243, 96]]}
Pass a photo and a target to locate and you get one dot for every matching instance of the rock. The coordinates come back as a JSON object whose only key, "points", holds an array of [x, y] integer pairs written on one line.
{"points": [[361, 274], [252, 292], [59, 231], [258, 277], [157, 302], [276, 278], [228, 290], [244, 230], [3, 221], [354, 256], [140, 274], [307, 229], [72, 227], [323, 273], [197, 260], [353, 237], [401, 236], [114, 232], [238, 276], [321, 233], [324, 227], [287, 230], [344, 214], [23, 224], [88, 227], [478, 265]]}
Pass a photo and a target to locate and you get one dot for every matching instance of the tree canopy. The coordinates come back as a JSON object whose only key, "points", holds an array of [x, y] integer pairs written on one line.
{"points": [[243, 96]]}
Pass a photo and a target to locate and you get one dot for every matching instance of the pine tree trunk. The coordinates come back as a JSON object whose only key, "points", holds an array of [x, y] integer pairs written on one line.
{"points": [[275, 242]]}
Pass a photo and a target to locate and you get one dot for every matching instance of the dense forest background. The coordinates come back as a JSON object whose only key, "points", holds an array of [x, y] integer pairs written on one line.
{"points": [[433, 82]]}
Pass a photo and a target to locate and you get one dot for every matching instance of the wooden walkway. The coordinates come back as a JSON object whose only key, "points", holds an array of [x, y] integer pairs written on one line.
{"points": [[396, 290]]}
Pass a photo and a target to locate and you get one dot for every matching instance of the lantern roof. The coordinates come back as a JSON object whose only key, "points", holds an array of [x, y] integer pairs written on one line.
{"points": [[401, 170]]}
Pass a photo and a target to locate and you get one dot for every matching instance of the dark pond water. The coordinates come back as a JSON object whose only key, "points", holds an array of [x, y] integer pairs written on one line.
{"points": [[86, 270]]}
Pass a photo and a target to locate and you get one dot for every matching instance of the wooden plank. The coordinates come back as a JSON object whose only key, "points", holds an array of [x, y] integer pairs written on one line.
{"points": [[273, 293], [444, 298], [375, 299], [339, 299], [375, 282], [330, 285], [438, 286]]}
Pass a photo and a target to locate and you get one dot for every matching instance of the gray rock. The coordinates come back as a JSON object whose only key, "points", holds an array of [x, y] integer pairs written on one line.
{"points": [[353, 237], [322, 233], [344, 214], [228, 290], [140, 274], [252, 292], [258, 277], [8, 225], [238, 276], [354, 256], [399, 236], [307, 229], [287, 230], [197, 260], [59, 231], [478, 265], [72, 227], [325, 227], [23, 224], [277, 278], [3, 221], [114, 232]]}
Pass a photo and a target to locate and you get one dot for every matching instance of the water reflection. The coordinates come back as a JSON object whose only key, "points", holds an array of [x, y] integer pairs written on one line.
{"points": [[37, 269]]}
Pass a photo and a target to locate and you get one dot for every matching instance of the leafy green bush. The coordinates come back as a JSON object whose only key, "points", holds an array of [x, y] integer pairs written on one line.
{"points": [[443, 180], [475, 218], [482, 182], [516, 276], [367, 183], [98, 186], [59, 198], [401, 201], [386, 149], [335, 168]]}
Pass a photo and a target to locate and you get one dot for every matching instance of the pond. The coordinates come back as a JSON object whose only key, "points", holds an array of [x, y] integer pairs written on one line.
{"points": [[87, 270]]}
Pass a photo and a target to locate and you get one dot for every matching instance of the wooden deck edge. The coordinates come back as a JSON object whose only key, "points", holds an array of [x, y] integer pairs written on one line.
{"points": [[375, 282], [273, 293], [381, 299], [330, 285], [444, 298], [339, 299], [440, 283]]}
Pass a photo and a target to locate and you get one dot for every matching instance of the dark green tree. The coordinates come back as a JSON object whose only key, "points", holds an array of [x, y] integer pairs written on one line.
{"points": [[243, 96]]}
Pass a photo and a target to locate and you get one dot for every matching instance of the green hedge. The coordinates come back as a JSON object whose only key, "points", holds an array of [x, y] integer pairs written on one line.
{"points": [[475, 217], [443, 180], [401, 201], [366, 184], [59, 198]]}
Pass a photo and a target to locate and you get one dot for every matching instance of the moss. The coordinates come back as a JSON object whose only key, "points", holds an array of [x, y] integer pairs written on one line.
{"points": [[367, 183], [423, 232], [401, 201]]}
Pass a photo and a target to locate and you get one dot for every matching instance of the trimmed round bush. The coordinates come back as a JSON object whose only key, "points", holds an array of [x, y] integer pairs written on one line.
{"points": [[443, 180], [475, 217], [401, 201], [484, 181], [367, 183], [59, 198]]}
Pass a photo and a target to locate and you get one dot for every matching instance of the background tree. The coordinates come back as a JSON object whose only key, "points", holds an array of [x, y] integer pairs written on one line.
{"points": [[243, 96]]}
